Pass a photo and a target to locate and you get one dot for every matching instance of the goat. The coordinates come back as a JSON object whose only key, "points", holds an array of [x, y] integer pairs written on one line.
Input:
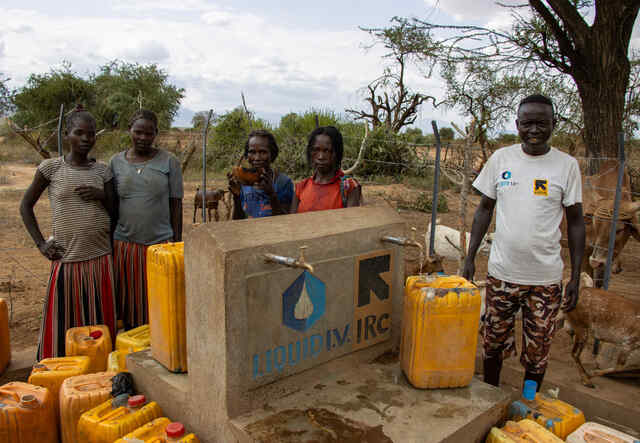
{"points": [[212, 199], [447, 241], [609, 317]]}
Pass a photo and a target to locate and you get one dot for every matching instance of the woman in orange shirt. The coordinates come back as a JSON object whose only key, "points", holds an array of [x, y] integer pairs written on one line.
{"points": [[327, 188]]}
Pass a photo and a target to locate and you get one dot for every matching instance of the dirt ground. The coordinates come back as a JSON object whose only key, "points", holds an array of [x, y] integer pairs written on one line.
{"points": [[24, 272]]}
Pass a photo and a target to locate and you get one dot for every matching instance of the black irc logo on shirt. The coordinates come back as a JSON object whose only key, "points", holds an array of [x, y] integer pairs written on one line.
{"points": [[541, 187]]}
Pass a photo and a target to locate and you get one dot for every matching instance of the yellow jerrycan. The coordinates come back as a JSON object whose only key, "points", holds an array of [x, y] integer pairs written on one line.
{"points": [[27, 414], [115, 418], [439, 331], [555, 415], [92, 341], [134, 340], [79, 394], [5, 343], [51, 372], [116, 361], [524, 431], [167, 318], [160, 430]]}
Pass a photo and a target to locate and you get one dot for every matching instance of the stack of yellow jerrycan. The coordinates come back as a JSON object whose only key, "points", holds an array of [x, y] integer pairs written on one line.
{"points": [[51, 372], [133, 340], [167, 318], [92, 341], [27, 414], [555, 415], [440, 331], [160, 430], [591, 432], [116, 418], [79, 394], [524, 431], [5, 344]]}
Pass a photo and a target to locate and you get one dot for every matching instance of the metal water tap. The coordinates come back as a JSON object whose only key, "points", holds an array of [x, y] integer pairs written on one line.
{"points": [[403, 241], [290, 261]]}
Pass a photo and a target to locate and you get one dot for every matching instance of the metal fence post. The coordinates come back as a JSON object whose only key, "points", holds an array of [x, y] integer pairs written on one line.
{"points": [[60, 116], [436, 186], [616, 210], [204, 167]]}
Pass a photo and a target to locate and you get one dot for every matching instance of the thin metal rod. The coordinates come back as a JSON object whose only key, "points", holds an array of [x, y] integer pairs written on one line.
{"points": [[616, 210], [436, 186], [60, 116], [204, 167]]}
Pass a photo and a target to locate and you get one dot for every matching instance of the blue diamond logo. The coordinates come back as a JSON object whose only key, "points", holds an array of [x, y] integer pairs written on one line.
{"points": [[303, 303]]}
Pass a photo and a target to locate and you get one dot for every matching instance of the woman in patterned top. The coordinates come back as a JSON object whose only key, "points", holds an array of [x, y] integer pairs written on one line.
{"points": [[327, 188], [149, 188], [272, 194], [81, 192]]}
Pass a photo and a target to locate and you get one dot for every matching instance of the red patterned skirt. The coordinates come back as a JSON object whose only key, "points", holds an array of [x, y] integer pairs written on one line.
{"points": [[78, 294], [130, 262]]}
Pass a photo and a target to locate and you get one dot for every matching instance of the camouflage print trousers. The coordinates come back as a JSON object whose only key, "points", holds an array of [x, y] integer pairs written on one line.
{"points": [[540, 307]]}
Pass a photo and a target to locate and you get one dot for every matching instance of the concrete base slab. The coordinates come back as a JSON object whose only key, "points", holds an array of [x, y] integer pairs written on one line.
{"points": [[169, 390], [374, 402], [20, 366]]}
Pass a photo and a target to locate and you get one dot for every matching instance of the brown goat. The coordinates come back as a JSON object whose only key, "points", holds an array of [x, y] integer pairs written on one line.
{"points": [[212, 200], [609, 317]]}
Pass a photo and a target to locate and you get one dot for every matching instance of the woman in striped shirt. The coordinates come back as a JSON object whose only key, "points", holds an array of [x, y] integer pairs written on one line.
{"points": [[81, 192]]}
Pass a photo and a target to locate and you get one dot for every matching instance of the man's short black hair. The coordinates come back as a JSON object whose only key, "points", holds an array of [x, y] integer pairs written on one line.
{"points": [[336, 142], [538, 98], [271, 142]]}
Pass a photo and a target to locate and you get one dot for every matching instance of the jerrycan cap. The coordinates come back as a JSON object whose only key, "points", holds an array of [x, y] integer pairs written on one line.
{"points": [[529, 390], [95, 334], [29, 401], [137, 400], [119, 400], [175, 429]]}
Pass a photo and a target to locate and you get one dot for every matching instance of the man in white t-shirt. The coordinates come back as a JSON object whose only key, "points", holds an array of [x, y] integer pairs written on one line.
{"points": [[529, 185]]}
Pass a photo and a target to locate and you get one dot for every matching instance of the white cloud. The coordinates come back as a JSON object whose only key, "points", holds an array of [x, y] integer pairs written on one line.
{"points": [[146, 52], [470, 10]]}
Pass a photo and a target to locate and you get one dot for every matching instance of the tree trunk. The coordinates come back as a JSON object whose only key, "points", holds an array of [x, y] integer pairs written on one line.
{"points": [[601, 71], [603, 107]]}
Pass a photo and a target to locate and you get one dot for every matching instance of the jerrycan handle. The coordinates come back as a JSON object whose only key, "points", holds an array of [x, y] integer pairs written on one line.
{"points": [[9, 393]]}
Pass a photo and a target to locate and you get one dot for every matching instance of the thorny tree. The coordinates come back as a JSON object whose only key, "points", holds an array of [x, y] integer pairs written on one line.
{"points": [[392, 104], [585, 39]]}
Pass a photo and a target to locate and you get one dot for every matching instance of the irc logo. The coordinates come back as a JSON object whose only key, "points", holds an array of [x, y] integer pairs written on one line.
{"points": [[303, 303], [541, 187], [506, 175]]}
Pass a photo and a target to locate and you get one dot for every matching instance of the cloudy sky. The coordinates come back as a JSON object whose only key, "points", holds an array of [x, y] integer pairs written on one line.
{"points": [[286, 55]]}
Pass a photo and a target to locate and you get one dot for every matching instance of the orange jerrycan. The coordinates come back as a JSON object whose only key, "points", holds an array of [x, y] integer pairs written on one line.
{"points": [[92, 341], [115, 418], [440, 331], [79, 394], [5, 344], [51, 372], [555, 415], [524, 431], [167, 318], [27, 414], [160, 430], [116, 361]]}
